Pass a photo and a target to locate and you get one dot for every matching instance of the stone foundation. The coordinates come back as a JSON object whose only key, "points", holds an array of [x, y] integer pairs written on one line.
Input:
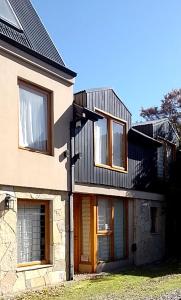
{"points": [[14, 279]]}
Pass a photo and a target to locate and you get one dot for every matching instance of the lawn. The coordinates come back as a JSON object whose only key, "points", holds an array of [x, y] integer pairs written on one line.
{"points": [[134, 283]]}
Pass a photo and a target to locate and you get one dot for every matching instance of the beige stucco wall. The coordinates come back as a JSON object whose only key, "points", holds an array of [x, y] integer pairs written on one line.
{"points": [[22, 167], [13, 279]]}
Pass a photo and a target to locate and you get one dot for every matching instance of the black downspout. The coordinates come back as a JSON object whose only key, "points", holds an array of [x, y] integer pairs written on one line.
{"points": [[71, 218]]}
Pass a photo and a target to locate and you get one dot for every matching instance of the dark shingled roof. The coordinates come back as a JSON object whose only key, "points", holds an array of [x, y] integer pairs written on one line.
{"points": [[34, 38]]}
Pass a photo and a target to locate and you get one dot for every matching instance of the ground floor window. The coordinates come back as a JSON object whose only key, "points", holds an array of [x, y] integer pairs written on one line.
{"points": [[32, 232], [111, 229], [100, 231]]}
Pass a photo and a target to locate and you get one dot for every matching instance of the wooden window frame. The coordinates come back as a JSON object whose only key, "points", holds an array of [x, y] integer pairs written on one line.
{"points": [[110, 119], [49, 96], [110, 232], [47, 232]]}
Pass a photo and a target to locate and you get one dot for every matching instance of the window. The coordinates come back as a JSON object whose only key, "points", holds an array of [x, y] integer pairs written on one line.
{"points": [[7, 14], [154, 219], [110, 143], [160, 161], [32, 232], [101, 154], [165, 159], [111, 229], [34, 118]]}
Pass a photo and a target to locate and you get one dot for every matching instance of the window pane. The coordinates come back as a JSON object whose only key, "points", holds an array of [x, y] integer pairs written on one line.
{"points": [[103, 248], [86, 235], [118, 144], [7, 13], [31, 233], [33, 119], [104, 215], [101, 141], [119, 229], [160, 161]]}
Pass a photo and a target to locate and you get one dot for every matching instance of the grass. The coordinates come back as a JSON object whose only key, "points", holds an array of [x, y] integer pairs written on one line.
{"points": [[133, 283]]}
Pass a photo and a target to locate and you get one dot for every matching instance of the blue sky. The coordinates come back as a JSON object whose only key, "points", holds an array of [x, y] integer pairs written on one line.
{"points": [[132, 46]]}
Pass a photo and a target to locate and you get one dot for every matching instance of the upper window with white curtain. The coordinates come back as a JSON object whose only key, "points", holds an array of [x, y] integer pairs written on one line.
{"points": [[110, 142], [8, 15], [34, 118], [101, 141]]}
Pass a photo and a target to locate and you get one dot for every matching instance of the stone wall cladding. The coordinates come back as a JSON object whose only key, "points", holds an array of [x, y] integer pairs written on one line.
{"points": [[13, 279], [150, 246]]}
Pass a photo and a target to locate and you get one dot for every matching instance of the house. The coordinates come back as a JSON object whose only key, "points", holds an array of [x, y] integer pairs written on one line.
{"points": [[117, 169], [36, 94]]}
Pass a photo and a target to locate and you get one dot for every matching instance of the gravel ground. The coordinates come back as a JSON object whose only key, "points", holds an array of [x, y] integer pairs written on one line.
{"points": [[176, 295]]}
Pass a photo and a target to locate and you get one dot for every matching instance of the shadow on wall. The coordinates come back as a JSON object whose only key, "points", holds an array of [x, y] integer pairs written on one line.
{"points": [[173, 220], [143, 162], [62, 138]]}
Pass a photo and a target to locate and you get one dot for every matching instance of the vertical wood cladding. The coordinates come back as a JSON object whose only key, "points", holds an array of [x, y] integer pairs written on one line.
{"points": [[159, 128], [140, 157]]}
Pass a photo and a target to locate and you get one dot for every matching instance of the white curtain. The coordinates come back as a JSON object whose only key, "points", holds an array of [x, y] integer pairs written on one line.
{"points": [[29, 233], [118, 132], [104, 213], [33, 119], [104, 248], [101, 141]]}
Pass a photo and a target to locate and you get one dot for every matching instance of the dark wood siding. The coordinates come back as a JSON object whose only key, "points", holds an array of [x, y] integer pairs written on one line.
{"points": [[146, 129], [158, 129], [140, 157]]}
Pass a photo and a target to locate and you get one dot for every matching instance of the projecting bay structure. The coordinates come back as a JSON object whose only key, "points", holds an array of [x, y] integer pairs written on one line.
{"points": [[119, 205], [36, 94]]}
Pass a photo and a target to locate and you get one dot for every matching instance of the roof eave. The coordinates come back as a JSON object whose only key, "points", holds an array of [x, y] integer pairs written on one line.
{"points": [[146, 137], [39, 56]]}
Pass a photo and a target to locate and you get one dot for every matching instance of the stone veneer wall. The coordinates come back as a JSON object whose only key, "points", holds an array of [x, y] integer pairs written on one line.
{"points": [[150, 246], [13, 279]]}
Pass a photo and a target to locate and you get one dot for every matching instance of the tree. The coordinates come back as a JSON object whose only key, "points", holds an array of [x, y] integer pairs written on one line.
{"points": [[170, 108]]}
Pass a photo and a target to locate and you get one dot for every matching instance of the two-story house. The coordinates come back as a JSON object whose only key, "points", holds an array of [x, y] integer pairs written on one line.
{"points": [[64, 169], [119, 209], [36, 94]]}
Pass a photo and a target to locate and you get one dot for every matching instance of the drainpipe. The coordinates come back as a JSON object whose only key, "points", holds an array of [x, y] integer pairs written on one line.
{"points": [[71, 218]]}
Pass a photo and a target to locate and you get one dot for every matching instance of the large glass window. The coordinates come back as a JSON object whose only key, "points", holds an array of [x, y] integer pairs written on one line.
{"points": [[101, 144], [7, 14], [32, 232], [34, 119], [110, 143], [104, 214], [118, 144], [119, 229], [104, 248], [111, 229]]}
